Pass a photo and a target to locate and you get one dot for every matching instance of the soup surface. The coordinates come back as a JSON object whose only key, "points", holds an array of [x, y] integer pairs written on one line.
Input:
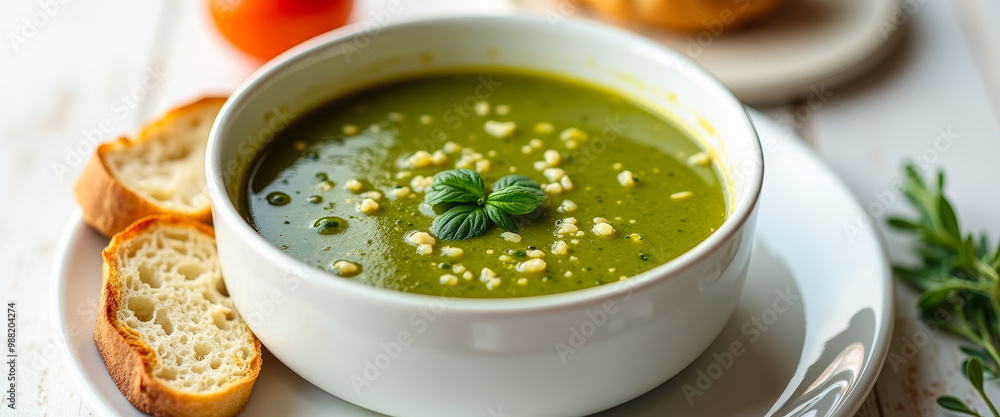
{"points": [[342, 187]]}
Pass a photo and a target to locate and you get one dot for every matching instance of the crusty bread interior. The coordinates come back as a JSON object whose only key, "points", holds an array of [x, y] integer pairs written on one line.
{"points": [[173, 296], [168, 166]]}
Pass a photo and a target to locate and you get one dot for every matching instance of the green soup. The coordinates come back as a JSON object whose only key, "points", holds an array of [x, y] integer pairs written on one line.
{"points": [[342, 187]]}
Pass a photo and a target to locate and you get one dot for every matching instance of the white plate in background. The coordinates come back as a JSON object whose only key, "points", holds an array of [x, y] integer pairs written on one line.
{"points": [[807, 46]]}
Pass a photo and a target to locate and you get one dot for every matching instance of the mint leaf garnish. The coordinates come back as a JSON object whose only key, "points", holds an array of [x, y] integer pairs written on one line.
{"points": [[516, 199], [500, 218], [461, 222], [456, 186], [472, 209]]}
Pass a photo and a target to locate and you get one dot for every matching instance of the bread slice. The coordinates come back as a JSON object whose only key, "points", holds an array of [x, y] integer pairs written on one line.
{"points": [[714, 17], [167, 331], [161, 171]]}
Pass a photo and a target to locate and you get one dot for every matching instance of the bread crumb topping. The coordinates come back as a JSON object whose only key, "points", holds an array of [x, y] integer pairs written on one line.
{"points": [[511, 237], [626, 179], [368, 206], [700, 159], [683, 195], [534, 265], [567, 206], [354, 185], [345, 268], [500, 130]]}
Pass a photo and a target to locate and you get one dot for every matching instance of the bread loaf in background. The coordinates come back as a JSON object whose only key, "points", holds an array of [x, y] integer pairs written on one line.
{"points": [[689, 15]]}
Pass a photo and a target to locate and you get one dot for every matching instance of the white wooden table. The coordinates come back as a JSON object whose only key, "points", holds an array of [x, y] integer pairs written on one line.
{"points": [[69, 69]]}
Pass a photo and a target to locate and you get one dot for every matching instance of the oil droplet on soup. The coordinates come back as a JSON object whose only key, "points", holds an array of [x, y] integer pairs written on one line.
{"points": [[278, 199]]}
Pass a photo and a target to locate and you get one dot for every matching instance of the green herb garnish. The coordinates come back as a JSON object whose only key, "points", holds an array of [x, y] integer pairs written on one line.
{"points": [[959, 279], [456, 186], [472, 209]]}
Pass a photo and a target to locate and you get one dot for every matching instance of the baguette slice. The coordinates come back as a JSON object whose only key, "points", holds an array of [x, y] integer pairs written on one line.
{"points": [[161, 171], [167, 331]]}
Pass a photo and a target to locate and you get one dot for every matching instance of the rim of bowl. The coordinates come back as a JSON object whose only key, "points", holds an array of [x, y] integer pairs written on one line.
{"points": [[222, 205]]}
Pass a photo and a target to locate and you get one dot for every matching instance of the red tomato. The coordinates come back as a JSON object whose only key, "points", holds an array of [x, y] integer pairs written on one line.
{"points": [[266, 28]]}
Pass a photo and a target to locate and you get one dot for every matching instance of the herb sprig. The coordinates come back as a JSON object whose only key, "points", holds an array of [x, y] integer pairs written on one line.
{"points": [[472, 209], [959, 280]]}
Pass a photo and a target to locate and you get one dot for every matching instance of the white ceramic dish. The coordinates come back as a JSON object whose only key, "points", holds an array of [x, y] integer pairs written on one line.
{"points": [[820, 357], [574, 353], [810, 47]]}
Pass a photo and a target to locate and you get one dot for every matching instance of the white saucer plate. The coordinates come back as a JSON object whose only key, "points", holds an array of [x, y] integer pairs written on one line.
{"points": [[808, 338], [808, 47]]}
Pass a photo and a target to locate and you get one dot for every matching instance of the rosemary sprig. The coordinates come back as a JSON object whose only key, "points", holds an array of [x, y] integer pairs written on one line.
{"points": [[959, 281]]}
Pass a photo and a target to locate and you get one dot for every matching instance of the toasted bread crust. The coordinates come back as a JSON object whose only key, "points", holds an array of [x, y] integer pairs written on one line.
{"points": [[130, 361], [109, 206], [686, 15]]}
